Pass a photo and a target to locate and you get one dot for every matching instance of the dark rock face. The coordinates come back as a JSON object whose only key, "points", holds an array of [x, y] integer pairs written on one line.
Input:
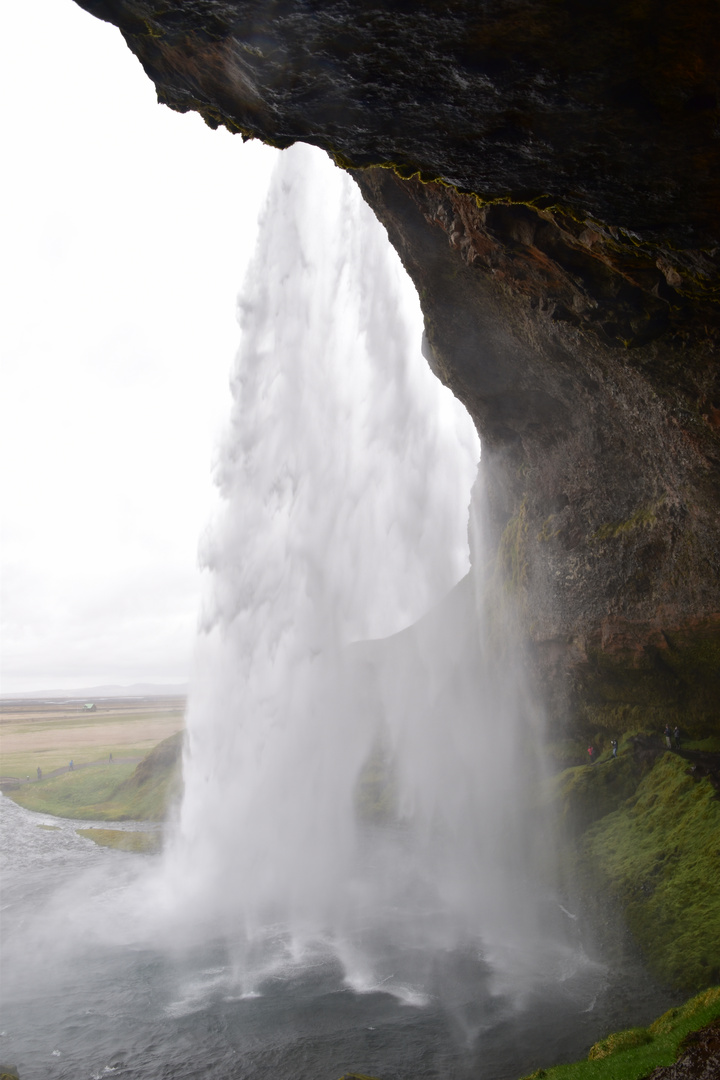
{"points": [[602, 463], [555, 196]]}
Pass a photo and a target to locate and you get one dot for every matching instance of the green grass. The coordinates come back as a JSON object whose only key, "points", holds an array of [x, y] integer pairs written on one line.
{"points": [[52, 739], [154, 785], [143, 843], [111, 792], [92, 720], [25, 763], [658, 854], [633, 1054], [584, 794], [78, 794], [710, 745]]}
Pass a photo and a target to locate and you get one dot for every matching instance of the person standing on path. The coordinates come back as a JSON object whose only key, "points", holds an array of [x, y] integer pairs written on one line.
{"points": [[676, 736], [39, 773], [70, 766], [667, 737], [613, 743]]}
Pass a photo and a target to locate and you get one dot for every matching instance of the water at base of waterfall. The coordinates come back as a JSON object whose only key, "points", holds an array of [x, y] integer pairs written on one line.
{"points": [[86, 996]]}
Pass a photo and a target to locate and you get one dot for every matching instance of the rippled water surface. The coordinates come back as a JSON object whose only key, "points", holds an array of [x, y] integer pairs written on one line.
{"points": [[88, 993]]}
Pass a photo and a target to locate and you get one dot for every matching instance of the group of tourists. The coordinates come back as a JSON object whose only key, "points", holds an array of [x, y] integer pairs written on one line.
{"points": [[672, 737], [71, 767]]}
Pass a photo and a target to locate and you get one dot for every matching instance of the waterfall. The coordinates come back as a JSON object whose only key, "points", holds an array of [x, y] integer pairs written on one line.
{"points": [[358, 732]]}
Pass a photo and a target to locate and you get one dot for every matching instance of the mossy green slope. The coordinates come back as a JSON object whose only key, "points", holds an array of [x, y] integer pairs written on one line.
{"points": [[582, 795], [155, 784], [633, 1054], [111, 792], [659, 856]]}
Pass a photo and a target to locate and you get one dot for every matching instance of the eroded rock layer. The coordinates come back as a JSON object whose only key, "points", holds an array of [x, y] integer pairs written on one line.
{"points": [[603, 470], [550, 174]]}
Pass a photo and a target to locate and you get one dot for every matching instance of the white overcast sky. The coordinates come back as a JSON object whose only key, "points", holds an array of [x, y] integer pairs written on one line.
{"points": [[126, 231]]}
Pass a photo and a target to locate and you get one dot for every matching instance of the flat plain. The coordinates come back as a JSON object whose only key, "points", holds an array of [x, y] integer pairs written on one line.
{"points": [[49, 734]]}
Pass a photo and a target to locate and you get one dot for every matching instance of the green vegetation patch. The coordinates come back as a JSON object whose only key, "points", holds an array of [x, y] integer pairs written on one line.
{"points": [[143, 843], [659, 856], [375, 791], [633, 1054], [584, 794], [644, 517], [111, 792], [51, 737], [154, 785], [619, 1040], [512, 552], [78, 794]]}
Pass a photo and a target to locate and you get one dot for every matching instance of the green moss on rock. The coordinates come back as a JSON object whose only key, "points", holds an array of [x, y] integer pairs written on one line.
{"points": [[618, 1041], [644, 517], [659, 856], [584, 794], [512, 553]]}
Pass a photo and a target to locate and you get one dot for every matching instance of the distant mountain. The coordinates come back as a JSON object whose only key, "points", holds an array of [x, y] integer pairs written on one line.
{"points": [[92, 692]]}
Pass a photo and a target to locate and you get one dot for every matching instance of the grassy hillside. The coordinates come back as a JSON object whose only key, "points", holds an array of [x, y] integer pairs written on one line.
{"points": [[643, 838], [659, 855], [144, 843], [635, 1053], [111, 792]]}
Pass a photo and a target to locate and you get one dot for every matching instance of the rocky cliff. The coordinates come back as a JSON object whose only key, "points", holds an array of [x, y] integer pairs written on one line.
{"points": [[549, 171]]}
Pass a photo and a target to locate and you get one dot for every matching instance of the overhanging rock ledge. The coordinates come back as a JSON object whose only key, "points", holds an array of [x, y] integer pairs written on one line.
{"points": [[550, 174]]}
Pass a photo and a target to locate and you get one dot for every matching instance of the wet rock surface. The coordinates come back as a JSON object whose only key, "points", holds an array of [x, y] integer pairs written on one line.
{"points": [[506, 97], [551, 178], [603, 474]]}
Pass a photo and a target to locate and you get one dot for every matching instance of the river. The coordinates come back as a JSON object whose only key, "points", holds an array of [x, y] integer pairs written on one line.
{"points": [[88, 992]]}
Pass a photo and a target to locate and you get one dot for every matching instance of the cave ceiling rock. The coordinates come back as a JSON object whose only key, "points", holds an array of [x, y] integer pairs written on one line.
{"points": [[550, 175]]}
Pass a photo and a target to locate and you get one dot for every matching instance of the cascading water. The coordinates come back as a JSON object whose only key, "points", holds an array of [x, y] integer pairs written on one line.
{"points": [[346, 475], [355, 835]]}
